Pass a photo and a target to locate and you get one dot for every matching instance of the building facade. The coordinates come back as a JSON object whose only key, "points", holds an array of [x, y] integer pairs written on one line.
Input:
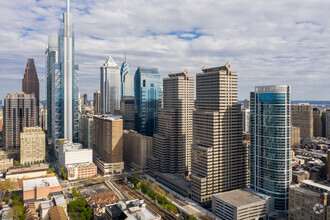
{"points": [[172, 143], [126, 80], [270, 149], [86, 130], [33, 146], [110, 87], [108, 144], [318, 122], [65, 94], [327, 123], [295, 136], [246, 120], [302, 117], [30, 83], [51, 59], [97, 102], [137, 149], [147, 92], [20, 111], [127, 105], [219, 160]]}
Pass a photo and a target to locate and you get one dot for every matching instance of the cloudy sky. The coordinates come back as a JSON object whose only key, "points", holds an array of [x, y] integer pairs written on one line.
{"points": [[267, 42]]}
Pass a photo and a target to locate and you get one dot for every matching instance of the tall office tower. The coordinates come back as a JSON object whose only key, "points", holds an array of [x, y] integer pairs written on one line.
{"points": [[219, 160], [318, 122], [172, 143], [33, 145], [126, 80], [302, 117], [85, 100], [20, 111], [108, 144], [147, 100], [127, 111], [246, 104], [30, 83], [96, 102], [246, 120], [65, 94], [51, 59], [110, 87], [327, 123], [270, 156]]}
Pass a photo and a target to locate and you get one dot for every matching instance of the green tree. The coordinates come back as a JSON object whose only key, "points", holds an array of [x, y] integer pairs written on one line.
{"points": [[17, 163], [192, 217], [74, 192], [79, 209], [51, 170], [138, 185]]}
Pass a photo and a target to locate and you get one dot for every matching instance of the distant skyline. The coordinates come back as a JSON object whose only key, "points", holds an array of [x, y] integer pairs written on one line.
{"points": [[281, 42]]}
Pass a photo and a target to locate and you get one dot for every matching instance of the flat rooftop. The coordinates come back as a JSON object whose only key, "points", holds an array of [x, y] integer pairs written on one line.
{"points": [[241, 197], [33, 183]]}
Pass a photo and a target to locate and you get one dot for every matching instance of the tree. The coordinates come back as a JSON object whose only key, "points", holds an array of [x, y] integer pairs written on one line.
{"points": [[78, 209], [51, 170], [192, 217], [17, 163], [7, 185], [63, 173], [74, 192], [170, 196], [138, 185]]}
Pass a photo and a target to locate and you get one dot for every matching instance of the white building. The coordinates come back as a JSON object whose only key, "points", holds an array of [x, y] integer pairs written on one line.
{"points": [[242, 204], [73, 153], [110, 87], [246, 120]]}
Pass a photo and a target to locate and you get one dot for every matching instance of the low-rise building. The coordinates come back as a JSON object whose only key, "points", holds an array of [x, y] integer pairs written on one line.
{"points": [[242, 204], [30, 211], [57, 213], [27, 172], [33, 145], [137, 148], [132, 209], [5, 164], [309, 200]]}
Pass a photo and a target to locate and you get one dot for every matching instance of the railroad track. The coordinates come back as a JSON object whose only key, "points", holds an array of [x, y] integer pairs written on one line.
{"points": [[135, 195]]}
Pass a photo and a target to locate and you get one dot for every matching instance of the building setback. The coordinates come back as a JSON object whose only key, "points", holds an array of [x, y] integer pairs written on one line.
{"points": [[172, 143], [270, 148], [20, 111], [147, 92], [33, 145], [30, 83], [302, 117], [219, 161]]}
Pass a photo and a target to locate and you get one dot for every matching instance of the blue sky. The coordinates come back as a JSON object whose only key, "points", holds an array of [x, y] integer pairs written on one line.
{"points": [[278, 42]]}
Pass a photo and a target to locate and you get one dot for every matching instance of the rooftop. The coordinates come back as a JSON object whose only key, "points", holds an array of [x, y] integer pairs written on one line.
{"points": [[33, 183], [241, 197]]}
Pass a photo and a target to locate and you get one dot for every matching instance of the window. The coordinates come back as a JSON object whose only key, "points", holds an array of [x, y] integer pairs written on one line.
{"points": [[144, 83]]}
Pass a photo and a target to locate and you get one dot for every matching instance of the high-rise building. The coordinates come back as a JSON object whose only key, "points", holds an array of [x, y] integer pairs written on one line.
{"points": [[51, 59], [126, 80], [127, 111], [246, 104], [85, 100], [110, 87], [20, 111], [65, 91], [327, 123], [302, 117], [270, 149], [318, 122], [108, 144], [309, 200], [219, 160], [30, 83], [33, 145], [172, 143], [86, 132], [96, 102], [147, 100], [295, 136], [246, 120]]}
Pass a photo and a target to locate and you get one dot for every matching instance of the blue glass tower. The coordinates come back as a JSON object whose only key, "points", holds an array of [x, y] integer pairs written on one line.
{"points": [[147, 91], [126, 80], [270, 157], [65, 121]]}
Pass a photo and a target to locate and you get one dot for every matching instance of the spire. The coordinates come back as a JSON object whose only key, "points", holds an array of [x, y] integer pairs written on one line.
{"points": [[68, 6], [125, 57]]}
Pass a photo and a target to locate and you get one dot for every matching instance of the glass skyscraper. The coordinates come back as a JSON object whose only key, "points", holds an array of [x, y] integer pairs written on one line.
{"points": [[126, 80], [270, 157], [65, 121], [147, 93]]}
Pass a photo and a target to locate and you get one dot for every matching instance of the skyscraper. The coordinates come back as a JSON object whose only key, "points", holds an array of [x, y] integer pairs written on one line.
{"points": [[246, 120], [96, 102], [110, 87], [51, 59], [20, 111], [147, 100], [85, 100], [172, 143], [65, 90], [302, 117], [126, 80], [318, 122], [219, 160], [127, 111], [270, 156], [30, 83]]}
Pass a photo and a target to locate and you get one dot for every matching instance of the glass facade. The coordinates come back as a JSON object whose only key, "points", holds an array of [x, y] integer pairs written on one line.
{"points": [[147, 91], [126, 80], [270, 156]]}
